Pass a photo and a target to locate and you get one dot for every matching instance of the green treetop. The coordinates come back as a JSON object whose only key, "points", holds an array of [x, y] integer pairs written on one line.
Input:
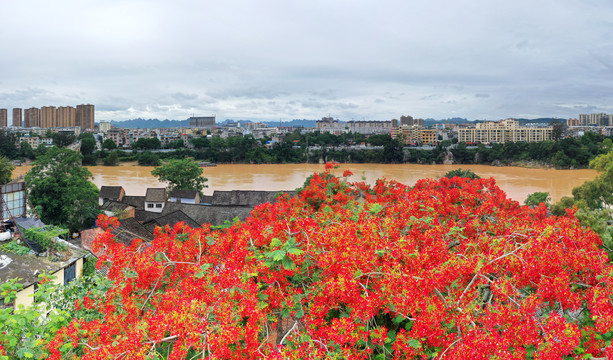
{"points": [[59, 186], [6, 170], [182, 174]]}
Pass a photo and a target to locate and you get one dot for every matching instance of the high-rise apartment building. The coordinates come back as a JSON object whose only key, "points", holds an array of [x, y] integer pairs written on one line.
{"points": [[85, 116], [17, 117], [48, 117], [4, 118], [51, 116], [600, 119], [66, 116], [32, 118]]}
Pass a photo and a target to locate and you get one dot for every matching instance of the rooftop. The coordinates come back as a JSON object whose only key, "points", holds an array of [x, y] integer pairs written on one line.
{"points": [[184, 194], [155, 195], [111, 192], [28, 267]]}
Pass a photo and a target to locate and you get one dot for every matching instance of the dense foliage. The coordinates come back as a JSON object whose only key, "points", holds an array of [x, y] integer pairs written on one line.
{"points": [[25, 331], [6, 170], [565, 153], [316, 147], [60, 188], [446, 269], [467, 173], [183, 174], [536, 198], [593, 201]]}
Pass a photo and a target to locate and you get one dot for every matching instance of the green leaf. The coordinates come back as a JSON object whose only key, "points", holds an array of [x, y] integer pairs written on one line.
{"points": [[299, 313], [275, 242], [415, 344], [391, 336], [375, 209], [278, 255], [288, 263], [398, 319], [295, 251]]}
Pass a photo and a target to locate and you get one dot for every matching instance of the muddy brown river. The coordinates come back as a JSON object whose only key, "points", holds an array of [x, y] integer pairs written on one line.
{"points": [[517, 182]]}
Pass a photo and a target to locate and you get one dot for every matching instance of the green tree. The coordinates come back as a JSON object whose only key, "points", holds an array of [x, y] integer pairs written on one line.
{"points": [[62, 139], [112, 159], [181, 174], [593, 200], [536, 198], [7, 144], [462, 173], [109, 144], [147, 143], [6, 170], [25, 150], [60, 187], [147, 158], [177, 144], [88, 145]]}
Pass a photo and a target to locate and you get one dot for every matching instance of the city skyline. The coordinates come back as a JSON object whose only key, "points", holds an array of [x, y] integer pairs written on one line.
{"points": [[280, 61], [51, 116]]}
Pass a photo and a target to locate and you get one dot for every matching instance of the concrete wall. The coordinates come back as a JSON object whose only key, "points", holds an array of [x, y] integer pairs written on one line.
{"points": [[154, 208], [25, 297]]}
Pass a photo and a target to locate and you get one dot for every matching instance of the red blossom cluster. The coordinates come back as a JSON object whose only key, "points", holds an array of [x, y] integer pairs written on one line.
{"points": [[444, 269]]}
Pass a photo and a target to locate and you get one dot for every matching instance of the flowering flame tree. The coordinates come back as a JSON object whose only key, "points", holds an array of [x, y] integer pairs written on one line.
{"points": [[444, 269]]}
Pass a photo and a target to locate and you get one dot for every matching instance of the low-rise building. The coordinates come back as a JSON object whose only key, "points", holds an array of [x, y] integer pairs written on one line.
{"points": [[114, 193], [369, 127], [331, 125], [155, 199]]}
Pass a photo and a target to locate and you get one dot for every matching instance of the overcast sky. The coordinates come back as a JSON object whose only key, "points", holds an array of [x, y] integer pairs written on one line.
{"points": [[282, 59]]}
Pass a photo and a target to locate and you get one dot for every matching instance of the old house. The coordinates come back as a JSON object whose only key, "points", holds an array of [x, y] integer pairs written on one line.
{"points": [[155, 199], [26, 268], [115, 193]]}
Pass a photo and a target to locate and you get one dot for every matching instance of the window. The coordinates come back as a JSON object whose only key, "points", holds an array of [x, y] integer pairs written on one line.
{"points": [[150, 205], [158, 206]]}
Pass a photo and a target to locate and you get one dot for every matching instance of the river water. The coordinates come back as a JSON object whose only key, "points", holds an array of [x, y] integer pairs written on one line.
{"points": [[517, 182]]}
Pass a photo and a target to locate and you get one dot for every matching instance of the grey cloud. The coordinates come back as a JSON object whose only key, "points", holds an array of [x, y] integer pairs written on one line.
{"points": [[303, 59], [183, 97]]}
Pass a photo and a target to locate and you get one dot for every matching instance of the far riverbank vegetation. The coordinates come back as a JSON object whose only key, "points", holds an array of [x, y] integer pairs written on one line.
{"points": [[567, 153]]}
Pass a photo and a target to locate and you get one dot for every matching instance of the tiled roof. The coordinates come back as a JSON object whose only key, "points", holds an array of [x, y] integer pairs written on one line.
{"points": [[129, 229], [171, 219], [138, 202], [111, 192], [184, 194], [245, 197], [144, 216], [155, 195], [210, 214], [114, 206]]}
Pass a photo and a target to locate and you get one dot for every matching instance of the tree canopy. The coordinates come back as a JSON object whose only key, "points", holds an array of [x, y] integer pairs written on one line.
{"points": [[593, 201], [462, 173], [448, 268], [6, 170], [109, 144], [60, 187], [536, 198], [181, 174]]}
